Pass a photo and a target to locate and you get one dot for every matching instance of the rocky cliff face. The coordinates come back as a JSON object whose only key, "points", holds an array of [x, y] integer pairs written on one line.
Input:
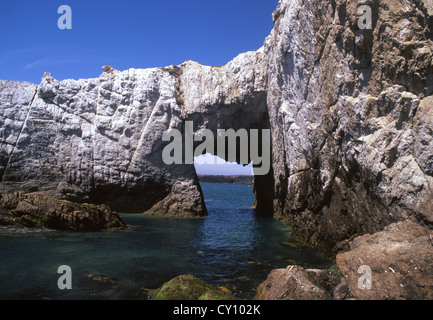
{"points": [[350, 112], [100, 140]]}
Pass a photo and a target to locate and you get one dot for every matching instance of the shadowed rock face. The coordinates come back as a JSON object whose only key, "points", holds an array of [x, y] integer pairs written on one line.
{"points": [[350, 112]]}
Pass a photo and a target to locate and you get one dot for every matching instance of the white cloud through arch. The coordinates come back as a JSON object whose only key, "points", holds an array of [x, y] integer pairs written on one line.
{"points": [[209, 164]]}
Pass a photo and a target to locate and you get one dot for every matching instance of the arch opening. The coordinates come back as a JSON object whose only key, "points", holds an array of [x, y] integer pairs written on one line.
{"points": [[235, 139], [211, 168]]}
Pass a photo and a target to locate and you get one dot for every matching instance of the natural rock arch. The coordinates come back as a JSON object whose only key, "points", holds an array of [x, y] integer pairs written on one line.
{"points": [[100, 140], [350, 113]]}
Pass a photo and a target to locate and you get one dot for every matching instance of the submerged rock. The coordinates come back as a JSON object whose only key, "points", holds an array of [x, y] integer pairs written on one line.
{"points": [[100, 285], [103, 280], [188, 287]]}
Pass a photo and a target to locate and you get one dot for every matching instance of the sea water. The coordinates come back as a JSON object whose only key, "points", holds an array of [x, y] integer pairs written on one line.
{"points": [[231, 247]]}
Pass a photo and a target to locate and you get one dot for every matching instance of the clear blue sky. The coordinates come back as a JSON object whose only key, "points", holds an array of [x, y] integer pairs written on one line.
{"points": [[126, 34]]}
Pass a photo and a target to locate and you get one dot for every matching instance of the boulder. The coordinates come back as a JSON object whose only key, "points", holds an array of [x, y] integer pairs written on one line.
{"points": [[297, 283], [393, 264], [399, 259], [188, 287]]}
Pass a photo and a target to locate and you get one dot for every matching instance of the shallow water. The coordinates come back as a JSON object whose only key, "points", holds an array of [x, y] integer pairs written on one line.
{"points": [[231, 247]]}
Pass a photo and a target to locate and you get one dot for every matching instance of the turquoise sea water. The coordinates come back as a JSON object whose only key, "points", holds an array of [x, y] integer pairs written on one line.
{"points": [[231, 247]]}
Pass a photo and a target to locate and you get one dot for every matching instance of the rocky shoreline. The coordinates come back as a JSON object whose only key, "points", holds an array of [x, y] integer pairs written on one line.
{"points": [[399, 259], [350, 111], [35, 210]]}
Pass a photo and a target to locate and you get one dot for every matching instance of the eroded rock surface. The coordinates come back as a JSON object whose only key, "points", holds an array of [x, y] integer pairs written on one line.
{"points": [[100, 140], [188, 287], [400, 259], [393, 264], [38, 210], [350, 112], [297, 283]]}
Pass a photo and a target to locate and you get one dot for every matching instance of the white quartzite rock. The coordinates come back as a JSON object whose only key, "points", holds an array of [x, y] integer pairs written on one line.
{"points": [[350, 112]]}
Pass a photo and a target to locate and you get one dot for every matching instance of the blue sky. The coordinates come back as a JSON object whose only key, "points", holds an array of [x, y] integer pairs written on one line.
{"points": [[127, 34]]}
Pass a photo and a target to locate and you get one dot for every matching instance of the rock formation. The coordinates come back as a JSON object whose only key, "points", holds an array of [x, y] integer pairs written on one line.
{"points": [[188, 287], [100, 140], [400, 259], [37, 210], [95, 140], [399, 267], [350, 111], [296, 283]]}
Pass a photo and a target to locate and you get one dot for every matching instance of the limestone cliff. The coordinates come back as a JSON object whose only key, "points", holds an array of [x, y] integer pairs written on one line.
{"points": [[100, 140], [350, 112]]}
